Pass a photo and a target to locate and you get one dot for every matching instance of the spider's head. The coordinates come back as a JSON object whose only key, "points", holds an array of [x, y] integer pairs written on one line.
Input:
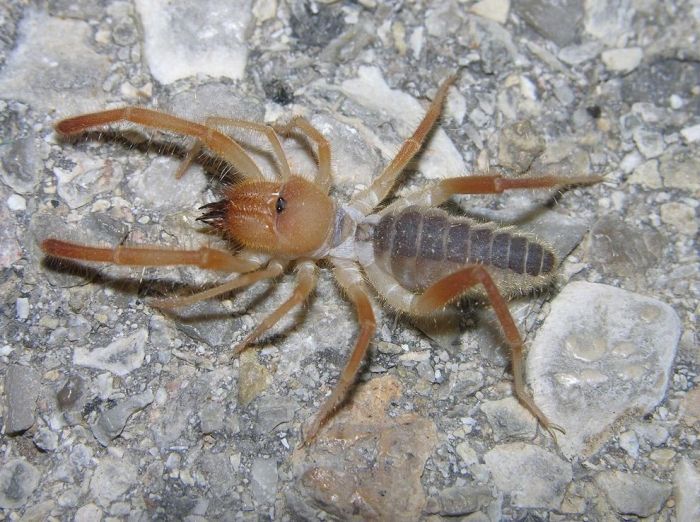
{"points": [[290, 219]]}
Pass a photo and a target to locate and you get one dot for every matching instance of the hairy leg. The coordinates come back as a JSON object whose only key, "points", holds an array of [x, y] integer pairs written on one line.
{"points": [[323, 177], [369, 198], [350, 279], [217, 142], [452, 287], [306, 281]]}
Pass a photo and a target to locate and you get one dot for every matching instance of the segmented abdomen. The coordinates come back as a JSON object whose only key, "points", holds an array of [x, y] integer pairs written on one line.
{"points": [[420, 246]]}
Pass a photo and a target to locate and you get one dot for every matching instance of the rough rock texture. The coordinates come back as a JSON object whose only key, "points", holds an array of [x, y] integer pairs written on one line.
{"points": [[128, 411]]}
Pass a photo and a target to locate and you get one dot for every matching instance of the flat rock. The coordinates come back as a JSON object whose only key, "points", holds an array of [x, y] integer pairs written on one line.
{"points": [[686, 489], [120, 357], [509, 419], [264, 477], [112, 478], [21, 392], [533, 477], [601, 352], [18, 480], [111, 422], [633, 494], [187, 39]]}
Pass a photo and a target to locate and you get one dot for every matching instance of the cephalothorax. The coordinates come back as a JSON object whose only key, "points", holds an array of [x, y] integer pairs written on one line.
{"points": [[417, 257]]}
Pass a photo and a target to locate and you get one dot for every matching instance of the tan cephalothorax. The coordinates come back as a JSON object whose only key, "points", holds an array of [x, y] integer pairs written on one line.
{"points": [[417, 257]]}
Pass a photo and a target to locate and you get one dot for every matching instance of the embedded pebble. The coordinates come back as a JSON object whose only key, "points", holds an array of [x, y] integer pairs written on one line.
{"points": [[649, 143], [22, 385], [219, 29], [457, 501], [88, 513], [16, 202], [148, 186], [112, 478], [533, 477], [600, 353], [18, 480], [253, 378], [633, 494], [647, 174], [557, 22], [518, 146], [622, 60], [87, 177], [264, 477], [496, 10], [45, 439], [54, 73], [211, 417], [111, 422], [691, 134], [440, 157], [680, 216], [509, 419], [120, 357], [686, 490]]}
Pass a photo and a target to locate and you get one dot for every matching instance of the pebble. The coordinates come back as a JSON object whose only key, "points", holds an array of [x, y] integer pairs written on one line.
{"points": [[691, 134], [558, 22], [686, 490], [45, 439], [509, 419], [633, 494], [264, 477], [120, 357], [112, 478], [87, 177], [16, 202], [649, 143], [680, 216], [533, 477], [219, 28], [647, 175], [22, 385], [18, 480], [22, 308], [88, 513], [496, 10], [111, 422], [211, 417], [622, 60], [600, 353], [370, 90], [457, 501], [148, 186]]}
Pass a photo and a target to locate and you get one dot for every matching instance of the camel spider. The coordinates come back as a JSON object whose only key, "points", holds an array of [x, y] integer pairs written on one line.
{"points": [[418, 258]]}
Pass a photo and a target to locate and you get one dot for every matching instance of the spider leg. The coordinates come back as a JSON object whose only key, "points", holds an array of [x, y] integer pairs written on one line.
{"points": [[273, 270], [452, 287], [490, 184], [369, 198], [306, 281], [204, 257], [218, 142], [323, 177], [350, 278]]}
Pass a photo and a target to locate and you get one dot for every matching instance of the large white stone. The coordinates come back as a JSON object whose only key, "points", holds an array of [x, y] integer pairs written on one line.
{"points": [[602, 352]]}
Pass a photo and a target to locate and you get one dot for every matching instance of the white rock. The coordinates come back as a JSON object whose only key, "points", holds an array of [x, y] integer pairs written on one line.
{"points": [[680, 216], [533, 477], [686, 486], [622, 60], [16, 202], [88, 513], [54, 73], [633, 494], [159, 189], [440, 157], [112, 478], [88, 177], [496, 10], [691, 134], [120, 357], [647, 174], [600, 353], [189, 38]]}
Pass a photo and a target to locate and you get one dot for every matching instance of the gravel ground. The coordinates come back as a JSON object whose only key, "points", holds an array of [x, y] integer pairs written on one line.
{"points": [[113, 410]]}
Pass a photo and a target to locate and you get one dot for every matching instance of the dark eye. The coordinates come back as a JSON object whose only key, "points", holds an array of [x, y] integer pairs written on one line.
{"points": [[281, 205]]}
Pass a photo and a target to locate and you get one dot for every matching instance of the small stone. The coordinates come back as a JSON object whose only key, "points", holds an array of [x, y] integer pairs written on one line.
{"points": [[458, 501], [686, 490], [120, 357], [111, 422], [691, 134], [496, 10], [264, 477], [71, 391], [253, 378], [467, 454], [680, 171], [647, 175], [274, 413], [88, 513], [519, 144], [557, 21], [649, 143], [680, 216], [170, 27], [211, 417], [264, 10], [148, 185], [45, 439], [600, 353], [16, 202], [633, 494], [443, 19], [622, 60], [546, 475], [22, 308], [111, 479], [22, 386], [628, 441], [18, 480], [509, 419]]}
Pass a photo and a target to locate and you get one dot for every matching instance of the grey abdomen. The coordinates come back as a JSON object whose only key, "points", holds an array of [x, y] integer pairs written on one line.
{"points": [[418, 247]]}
